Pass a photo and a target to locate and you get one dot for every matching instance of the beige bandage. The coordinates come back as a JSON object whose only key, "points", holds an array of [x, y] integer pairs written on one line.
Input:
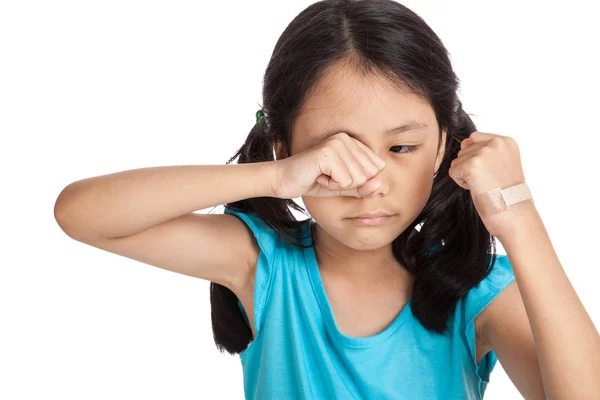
{"points": [[499, 200]]}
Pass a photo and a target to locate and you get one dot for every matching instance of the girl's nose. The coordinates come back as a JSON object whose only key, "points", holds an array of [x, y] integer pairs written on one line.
{"points": [[384, 189]]}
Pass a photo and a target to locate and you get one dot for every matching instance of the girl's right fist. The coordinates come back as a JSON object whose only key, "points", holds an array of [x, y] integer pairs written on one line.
{"points": [[339, 166]]}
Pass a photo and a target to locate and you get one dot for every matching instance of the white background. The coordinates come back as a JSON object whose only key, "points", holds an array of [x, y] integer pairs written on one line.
{"points": [[91, 88]]}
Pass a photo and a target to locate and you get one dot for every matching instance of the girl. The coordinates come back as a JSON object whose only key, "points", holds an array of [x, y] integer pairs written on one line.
{"points": [[392, 289]]}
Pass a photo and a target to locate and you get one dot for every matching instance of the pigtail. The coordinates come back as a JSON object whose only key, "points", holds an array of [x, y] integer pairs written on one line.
{"points": [[230, 330]]}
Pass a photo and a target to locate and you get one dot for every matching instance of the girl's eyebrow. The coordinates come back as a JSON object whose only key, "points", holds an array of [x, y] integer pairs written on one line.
{"points": [[409, 126]]}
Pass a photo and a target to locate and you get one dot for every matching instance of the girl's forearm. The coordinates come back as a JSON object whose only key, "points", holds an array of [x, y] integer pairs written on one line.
{"points": [[127, 202], [566, 340]]}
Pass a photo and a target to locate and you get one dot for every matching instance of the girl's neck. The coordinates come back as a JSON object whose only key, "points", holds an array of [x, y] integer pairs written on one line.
{"points": [[357, 266]]}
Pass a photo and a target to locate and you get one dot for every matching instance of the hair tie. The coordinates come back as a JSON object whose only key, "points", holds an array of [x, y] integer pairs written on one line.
{"points": [[259, 116]]}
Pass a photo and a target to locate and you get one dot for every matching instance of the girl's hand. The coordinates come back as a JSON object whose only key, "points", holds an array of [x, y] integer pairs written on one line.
{"points": [[339, 166], [487, 161]]}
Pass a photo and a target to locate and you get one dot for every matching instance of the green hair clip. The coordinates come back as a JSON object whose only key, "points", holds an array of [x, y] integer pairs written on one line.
{"points": [[259, 116]]}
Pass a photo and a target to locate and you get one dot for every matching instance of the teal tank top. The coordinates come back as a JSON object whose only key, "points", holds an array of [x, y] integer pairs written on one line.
{"points": [[299, 353]]}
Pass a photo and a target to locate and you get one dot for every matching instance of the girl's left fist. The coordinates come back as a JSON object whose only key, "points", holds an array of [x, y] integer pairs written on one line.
{"points": [[487, 161]]}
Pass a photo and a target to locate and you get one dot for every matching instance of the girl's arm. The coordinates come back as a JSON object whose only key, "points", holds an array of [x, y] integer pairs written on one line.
{"points": [[128, 202], [147, 215], [564, 337]]}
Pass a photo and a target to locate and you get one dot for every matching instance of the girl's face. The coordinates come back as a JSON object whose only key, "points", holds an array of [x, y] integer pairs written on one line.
{"points": [[365, 108]]}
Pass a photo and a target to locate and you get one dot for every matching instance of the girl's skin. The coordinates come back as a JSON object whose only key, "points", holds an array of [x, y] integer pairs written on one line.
{"points": [[361, 276]]}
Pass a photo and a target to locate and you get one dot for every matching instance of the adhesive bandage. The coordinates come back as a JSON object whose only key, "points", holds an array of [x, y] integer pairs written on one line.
{"points": [[499, 200]]}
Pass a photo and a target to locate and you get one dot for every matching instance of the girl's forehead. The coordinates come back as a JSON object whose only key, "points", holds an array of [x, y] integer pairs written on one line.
{"points": [[346, 99], [365, 111]]}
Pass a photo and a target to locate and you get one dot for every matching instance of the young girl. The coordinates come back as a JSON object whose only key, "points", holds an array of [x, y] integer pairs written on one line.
{"points": [[381, 293]]}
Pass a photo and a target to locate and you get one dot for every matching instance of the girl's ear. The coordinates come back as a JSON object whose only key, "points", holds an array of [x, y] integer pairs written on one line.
{"points": [[280, 152]]}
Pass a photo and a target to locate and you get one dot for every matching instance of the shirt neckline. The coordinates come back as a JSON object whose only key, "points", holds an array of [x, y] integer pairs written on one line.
{"points": [[350, 341]]}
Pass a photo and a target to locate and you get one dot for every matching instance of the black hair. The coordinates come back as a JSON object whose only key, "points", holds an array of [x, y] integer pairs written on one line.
{"points": [[384, 38]]}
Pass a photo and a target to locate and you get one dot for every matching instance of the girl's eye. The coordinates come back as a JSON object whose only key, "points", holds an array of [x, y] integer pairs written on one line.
{"points": [[409, 149]]}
